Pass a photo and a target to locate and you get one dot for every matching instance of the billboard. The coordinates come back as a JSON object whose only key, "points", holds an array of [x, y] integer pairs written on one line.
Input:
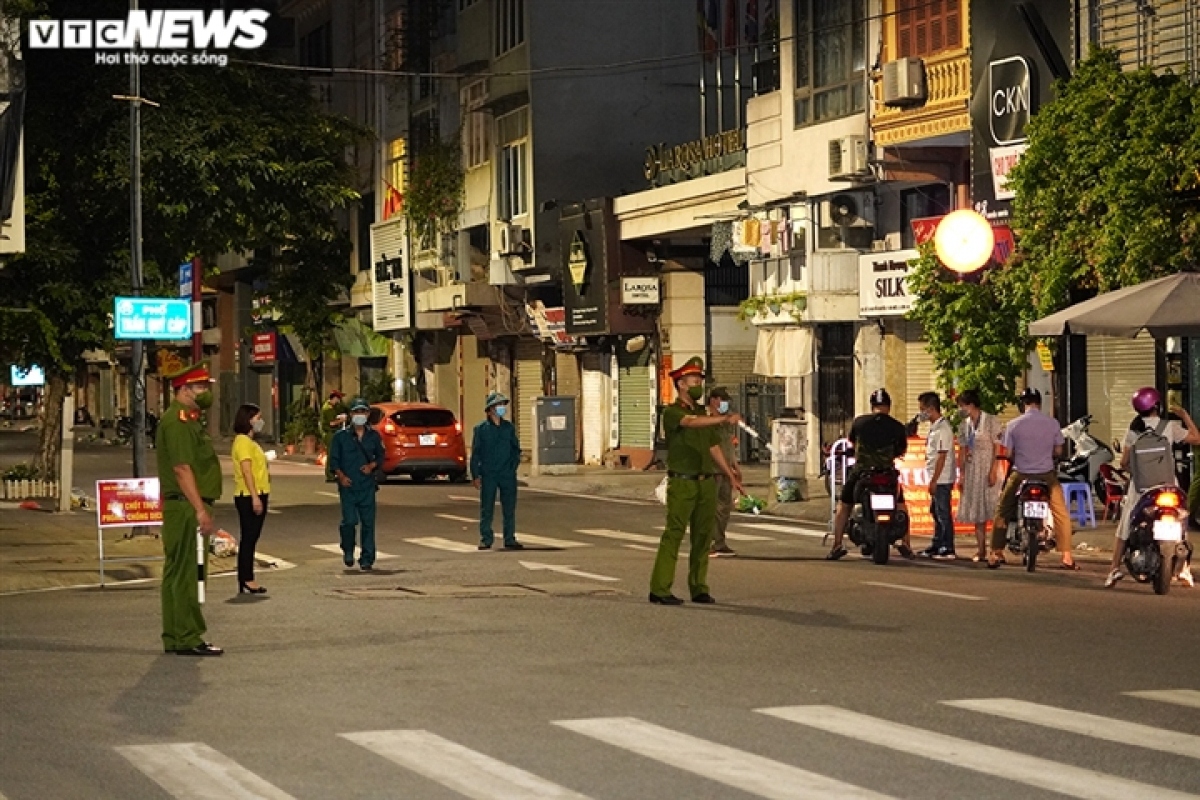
{"points": [[27, 377]]}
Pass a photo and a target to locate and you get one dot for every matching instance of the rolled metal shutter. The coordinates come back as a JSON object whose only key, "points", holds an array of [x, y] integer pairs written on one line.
{"points": [[921, 376], [595, 401], [635, 396], [527, 379], [1116, 368]]}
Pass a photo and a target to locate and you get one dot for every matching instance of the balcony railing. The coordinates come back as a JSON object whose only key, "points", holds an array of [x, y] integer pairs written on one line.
{"points": [[946, 108]]}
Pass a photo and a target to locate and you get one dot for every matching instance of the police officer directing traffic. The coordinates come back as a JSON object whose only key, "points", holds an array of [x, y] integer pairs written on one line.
{"points": [[189, 476], [693, 457]]}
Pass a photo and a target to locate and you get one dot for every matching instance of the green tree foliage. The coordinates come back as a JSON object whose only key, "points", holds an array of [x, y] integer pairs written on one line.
{"points": [[1105, 198], [435, 189], [234, 159]]}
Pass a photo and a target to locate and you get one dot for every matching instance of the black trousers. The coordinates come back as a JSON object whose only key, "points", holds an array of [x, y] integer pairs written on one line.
{"points": [[252, 525]]}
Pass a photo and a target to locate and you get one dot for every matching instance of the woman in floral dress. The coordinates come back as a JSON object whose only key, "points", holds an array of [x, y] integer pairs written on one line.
{"points": [[979, 473]]}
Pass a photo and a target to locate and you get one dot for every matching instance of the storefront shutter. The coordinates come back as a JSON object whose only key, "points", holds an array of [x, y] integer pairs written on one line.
{"points": [[1116, 369], [594, 404], [527, 375], [635, 394]]}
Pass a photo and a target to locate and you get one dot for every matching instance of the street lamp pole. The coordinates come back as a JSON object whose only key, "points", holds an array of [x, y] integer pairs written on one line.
{"points": [[138, 366]]}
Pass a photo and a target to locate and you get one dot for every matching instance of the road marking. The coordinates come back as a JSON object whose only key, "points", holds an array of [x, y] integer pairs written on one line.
{"points": [[773, 528], [541, 541], [1029, 770], [642, 547], [605, 533], [458, 768], [575, 496], [747, 537], [923, 591], [1112, 730], [195, 771], [274, 511], [536, 566], [275, 563], [738, 769], [438, 543], [336, 549], [463, 498], [1189, 698], [334, 495]]}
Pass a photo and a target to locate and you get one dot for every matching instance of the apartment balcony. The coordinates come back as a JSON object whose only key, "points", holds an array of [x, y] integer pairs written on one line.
{"points": [[946, 109]]}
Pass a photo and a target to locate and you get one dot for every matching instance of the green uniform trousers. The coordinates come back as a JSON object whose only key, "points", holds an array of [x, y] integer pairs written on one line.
{"points": [[506, 486], [183, 622], [694, 504], [724, 509]]}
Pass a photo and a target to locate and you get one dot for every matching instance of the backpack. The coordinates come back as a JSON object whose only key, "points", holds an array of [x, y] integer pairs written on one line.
{"points": [[1151, 461]]}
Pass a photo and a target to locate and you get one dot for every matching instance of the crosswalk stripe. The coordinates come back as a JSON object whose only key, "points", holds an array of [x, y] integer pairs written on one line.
{"points": [[462, 498], [466, 771], [773, 528], [1113, 730], [1190, 698], [1029, 770], [738, 769], [195, 771], [747, 537], [438, 543], [605, 533], [337, 550], [541, 541]]}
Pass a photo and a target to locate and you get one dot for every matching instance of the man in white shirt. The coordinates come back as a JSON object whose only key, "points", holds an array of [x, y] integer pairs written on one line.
{"points": [[942, 468], [1147, 402]]}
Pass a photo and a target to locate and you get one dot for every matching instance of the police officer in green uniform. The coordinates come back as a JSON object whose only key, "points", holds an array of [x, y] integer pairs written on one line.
{"points": [[333, 418], [693, 457], [189, 477]]}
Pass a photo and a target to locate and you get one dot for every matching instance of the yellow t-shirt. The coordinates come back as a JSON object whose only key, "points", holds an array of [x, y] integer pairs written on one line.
{"points": [[246, 449]]}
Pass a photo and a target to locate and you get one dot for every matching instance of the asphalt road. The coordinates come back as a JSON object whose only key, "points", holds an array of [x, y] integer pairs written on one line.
{"points": [[450, 673]]}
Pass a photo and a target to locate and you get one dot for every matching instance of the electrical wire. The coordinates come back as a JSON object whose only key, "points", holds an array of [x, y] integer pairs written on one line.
{"points": [[578, 69]]}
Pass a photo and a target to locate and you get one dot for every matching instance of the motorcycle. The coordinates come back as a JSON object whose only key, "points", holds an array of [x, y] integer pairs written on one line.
{"points": [[1158, 548], [877, 523], [1087, 456], [1033, 532], [125, 428]]}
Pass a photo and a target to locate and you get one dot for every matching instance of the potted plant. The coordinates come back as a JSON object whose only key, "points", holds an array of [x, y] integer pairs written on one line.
{"points": [[303, 427]]}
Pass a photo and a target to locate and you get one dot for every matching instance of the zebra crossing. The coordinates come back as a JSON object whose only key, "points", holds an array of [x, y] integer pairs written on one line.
{"points": [[197, 771]]}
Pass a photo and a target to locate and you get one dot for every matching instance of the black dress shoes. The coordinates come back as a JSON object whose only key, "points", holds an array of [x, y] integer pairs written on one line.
{"points": [[669, 600], [202, 649], [705, 598], [513, 546], [244, 589], [484, 546]]}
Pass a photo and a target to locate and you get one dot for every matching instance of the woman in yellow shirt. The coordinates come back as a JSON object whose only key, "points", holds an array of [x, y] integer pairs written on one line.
{"points": [[253, 483]]}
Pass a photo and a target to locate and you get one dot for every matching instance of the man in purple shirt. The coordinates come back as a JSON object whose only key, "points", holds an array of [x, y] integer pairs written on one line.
{"points": [[1033, 441]]}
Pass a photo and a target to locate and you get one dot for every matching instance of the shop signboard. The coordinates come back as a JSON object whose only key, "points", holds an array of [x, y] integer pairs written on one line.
{"points": [[915, 480], [152, 318], [883, 283], [1018, 50], [392, 309], [639, 291], [128, 502], [262, 348]]}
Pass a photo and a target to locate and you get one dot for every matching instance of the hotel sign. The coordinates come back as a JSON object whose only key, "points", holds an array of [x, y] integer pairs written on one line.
{"points": [[666, 164], [883, 283]]}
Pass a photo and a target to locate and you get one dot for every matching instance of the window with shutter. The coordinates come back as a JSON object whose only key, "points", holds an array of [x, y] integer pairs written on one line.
{"points": [[926, 27]]}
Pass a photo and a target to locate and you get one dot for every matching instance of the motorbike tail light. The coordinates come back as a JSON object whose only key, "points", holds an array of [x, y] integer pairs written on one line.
{"points": [[1035, 492], [883, 516], [881, 480], [1167, 500], [389, 427]]}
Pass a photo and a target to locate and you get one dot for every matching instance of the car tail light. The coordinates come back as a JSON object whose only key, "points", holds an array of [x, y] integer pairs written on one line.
{"points": [[1167, 500], [389, 427]]}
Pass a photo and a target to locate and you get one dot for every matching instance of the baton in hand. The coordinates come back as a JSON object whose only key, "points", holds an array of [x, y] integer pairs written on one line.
{"points": [[200, 564], [754, 433]]}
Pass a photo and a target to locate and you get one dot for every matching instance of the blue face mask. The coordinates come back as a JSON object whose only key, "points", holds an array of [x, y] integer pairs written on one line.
{"points": [[723, 407], [501, 411]]}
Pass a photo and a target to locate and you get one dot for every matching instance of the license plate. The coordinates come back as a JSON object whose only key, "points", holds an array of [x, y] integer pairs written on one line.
{"points": [[882, 502], [427, 439], [1168, 530], [1037, 510]]}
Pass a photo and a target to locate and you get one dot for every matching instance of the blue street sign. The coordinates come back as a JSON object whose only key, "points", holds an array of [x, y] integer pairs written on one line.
{"points": [[185, 279], [152, 318]]}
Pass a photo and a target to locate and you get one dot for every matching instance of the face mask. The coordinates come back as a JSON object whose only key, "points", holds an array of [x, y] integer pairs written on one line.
{"points": [[359, 420], [204, 400], [696, 392], [501, 411], [258, 425], [923, 417], [723, 407]]}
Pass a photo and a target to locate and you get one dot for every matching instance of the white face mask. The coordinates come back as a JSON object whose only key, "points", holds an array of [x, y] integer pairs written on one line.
{"points": [[258, 425], [723, 407], [359, 419]]}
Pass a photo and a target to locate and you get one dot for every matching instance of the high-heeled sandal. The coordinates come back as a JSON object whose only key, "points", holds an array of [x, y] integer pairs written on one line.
{"points": [[244, 589]]}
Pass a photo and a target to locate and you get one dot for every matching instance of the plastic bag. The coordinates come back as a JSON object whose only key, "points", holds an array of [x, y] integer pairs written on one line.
{"points": [[748, 504], [660, 491], [787, 490], [222, 544]]}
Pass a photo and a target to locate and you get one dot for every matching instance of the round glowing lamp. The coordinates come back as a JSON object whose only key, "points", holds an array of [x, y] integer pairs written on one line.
{"points": [[964, 240]]}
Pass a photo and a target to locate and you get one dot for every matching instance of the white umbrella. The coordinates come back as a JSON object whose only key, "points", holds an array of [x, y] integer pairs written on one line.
{"points": [[1164, 307]]}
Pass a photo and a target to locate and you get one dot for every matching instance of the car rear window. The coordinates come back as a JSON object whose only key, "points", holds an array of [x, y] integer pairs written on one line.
{"points": [[424, 418]]}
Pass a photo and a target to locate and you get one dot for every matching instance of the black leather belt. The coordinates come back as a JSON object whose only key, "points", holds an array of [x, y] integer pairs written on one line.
{"points": [[685, 477], [206, 500]]}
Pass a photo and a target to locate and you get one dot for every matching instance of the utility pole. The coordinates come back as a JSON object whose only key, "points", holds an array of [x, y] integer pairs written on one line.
{"points": [[138, 366]]}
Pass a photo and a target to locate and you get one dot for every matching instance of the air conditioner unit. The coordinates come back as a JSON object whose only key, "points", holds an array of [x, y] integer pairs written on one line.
{"points": [[511, 238], [904, 82], [848, 158], [847, 210]]}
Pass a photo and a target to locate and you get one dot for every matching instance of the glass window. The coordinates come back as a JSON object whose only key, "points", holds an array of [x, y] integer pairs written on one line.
{"points": [[830, 46], [477, 124], [424, 418], [510, 24], [395, 52], [512, 132]]}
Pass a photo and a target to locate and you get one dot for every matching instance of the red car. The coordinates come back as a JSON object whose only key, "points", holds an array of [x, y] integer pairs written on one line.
{"points": [[420, 440]]}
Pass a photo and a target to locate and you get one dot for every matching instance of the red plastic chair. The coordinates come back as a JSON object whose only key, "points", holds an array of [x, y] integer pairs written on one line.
{"points": [[1115, 488]]}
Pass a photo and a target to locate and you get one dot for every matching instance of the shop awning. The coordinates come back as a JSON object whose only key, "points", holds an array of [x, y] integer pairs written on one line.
{"points": [[358, 340], [784, 352]]}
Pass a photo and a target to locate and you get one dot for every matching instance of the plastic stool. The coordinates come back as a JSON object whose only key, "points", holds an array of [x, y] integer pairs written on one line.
{"points": [[1079, 503]]}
